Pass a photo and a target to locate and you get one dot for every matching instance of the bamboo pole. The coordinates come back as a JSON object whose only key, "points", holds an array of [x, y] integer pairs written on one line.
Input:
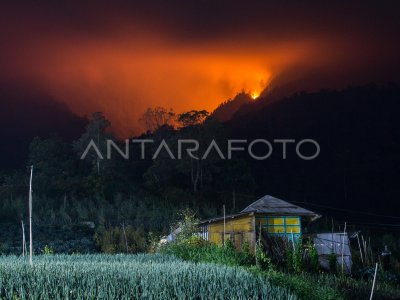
{"points": [[23, 239], [291, 232], [30, 219], [257, 243], [364, 244], [223, 239], [373, 283], [344, 232], [333, 243], [359, 247]]}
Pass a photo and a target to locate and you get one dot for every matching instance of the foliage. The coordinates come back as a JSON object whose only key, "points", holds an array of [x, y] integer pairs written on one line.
{"points": [[246, 258], [53, 162], [186, 225], [295, 261], [304, 285], [298, 262], [313, 256], [193, 117], [60, 238], [47, 250], [97, 133], [128, 277], [262, 259], [120, 240], [332, 262], [155, 118], [197, 250]]}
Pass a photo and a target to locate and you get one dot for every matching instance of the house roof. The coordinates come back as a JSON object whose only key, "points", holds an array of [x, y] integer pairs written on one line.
{"points": [[269, 205], [233, 216], [275, 206]]}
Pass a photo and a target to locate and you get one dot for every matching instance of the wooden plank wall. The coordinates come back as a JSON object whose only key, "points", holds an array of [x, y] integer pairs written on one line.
{"points": [[239, 230]]}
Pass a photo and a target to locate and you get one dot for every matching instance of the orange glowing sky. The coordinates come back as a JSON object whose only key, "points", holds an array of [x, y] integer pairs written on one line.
{"points": [[118, 62]]}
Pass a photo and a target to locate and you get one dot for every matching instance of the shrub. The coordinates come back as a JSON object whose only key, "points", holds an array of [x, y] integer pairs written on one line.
{"points": [[187, 224], [332, 262], [295, 257], [47, 250], [262, 259], [120, 240], [313, 256], [198, 250]]}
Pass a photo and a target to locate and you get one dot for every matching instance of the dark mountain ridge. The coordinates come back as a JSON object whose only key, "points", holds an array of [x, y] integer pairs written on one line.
{"points": [[27, 113], [358, 130]]}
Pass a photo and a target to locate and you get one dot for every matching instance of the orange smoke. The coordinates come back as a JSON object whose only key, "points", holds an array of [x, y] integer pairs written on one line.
{"points": [[123, 77], [122, 60]]}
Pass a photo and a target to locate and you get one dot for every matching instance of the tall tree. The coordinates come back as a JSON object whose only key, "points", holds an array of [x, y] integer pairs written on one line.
{"points": [[54, 165], [192, 118], [155, 118], [96, 134]]}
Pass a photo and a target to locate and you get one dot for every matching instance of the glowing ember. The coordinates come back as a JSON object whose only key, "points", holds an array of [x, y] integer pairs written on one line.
{"points": [[254, 95]]}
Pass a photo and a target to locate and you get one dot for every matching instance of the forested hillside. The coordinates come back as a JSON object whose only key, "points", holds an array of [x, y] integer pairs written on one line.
{"points": [[353, 179]]}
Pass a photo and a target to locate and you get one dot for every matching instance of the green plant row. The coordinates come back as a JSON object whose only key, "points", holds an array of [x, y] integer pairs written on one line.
{"points": [[141, 276]]}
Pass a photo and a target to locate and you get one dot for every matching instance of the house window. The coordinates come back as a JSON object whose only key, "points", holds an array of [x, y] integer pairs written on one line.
{"points": [[276, 229], [281, 225]]}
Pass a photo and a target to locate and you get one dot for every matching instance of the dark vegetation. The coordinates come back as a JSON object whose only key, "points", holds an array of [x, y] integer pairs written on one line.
{"points": [[131, 203], [299, 271]]}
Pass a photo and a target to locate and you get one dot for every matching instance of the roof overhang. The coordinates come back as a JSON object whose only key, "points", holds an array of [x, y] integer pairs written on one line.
{"points": [[310, 217]]}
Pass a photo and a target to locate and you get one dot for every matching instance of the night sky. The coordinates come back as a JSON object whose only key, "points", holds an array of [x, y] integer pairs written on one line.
{"points": [[125, 57]]}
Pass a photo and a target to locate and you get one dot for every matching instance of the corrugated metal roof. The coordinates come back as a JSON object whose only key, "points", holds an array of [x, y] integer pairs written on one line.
{"points": [[272, 205]]}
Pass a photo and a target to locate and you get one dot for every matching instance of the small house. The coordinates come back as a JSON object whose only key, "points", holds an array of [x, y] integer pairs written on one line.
{"points": [[275, 216]]}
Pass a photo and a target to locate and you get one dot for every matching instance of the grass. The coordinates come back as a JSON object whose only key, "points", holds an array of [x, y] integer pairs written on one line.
{"points": [[307, 286], [141, 276]]}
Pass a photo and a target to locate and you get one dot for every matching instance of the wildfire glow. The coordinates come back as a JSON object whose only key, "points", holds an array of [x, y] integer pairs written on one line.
{"points": [[120, 60], [123, 76], [254, 95]]}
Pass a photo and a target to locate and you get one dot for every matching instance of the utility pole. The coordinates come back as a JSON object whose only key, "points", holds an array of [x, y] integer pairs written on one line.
{"points": [[30, 219]]}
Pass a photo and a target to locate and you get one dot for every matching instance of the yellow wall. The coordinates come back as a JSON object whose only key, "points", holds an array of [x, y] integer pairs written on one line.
{"points": [[240, 229]]}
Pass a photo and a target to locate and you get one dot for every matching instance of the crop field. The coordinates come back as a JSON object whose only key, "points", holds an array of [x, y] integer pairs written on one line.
{"points": [[142, 276]]}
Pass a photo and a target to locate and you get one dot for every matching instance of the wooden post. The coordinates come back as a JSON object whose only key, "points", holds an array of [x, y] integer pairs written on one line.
{"points": [[223, 238], [231, 232], [359, 247], [257, 243], [333, 243], [126, 241], [291, 232], [370, 251], [373, 283], [364, 244], [23, 239], [344, 232], [254, 234], [30, 219], [234, 200]]}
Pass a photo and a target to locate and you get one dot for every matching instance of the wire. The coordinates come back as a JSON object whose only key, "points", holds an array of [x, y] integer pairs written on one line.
{"points": [[346, 210]]}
